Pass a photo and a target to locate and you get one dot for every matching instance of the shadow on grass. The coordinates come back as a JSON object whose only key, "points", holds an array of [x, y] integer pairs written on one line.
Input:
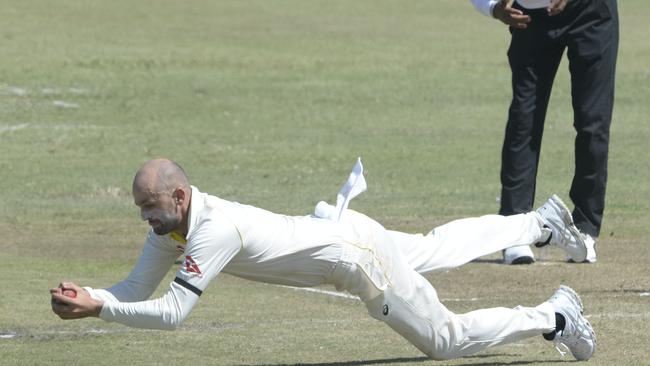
{"points": [[400, 360], [354, 363], [500, 261], [492, 261]]}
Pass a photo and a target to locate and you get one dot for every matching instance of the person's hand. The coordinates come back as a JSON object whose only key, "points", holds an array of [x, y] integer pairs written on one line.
{"points": [[556, 7], [81, 306], [510, 16]]}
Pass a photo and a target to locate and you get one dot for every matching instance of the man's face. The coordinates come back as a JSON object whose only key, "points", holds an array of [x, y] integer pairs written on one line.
{"points": [[159, 210]]}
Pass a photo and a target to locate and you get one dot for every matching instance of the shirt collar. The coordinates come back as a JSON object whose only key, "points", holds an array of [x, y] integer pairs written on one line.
{"points": [[196, 205]]}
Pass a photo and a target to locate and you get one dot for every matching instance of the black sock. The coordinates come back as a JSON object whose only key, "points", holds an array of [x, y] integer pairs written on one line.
{"points": [[547, 242], [560, 323]]}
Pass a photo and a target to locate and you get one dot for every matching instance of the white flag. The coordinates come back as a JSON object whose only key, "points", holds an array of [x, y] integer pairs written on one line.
{"points": [[355, 185]]}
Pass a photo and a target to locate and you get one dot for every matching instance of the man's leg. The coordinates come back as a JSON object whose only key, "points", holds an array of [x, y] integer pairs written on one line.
{"points": [[534, 57], [593, 47], [394, 293], [411, 307], [461, 241]]}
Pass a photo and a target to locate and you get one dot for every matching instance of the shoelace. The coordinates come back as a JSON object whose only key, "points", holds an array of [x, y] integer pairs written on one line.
{"points": [[558, 343], [574, 335]]}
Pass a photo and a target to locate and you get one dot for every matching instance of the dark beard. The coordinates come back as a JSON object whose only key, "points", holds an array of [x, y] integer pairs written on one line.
{"points": [[167, 224]]}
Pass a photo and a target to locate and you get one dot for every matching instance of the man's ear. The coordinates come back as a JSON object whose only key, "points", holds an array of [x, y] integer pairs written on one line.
{"points": [[179, 196]]}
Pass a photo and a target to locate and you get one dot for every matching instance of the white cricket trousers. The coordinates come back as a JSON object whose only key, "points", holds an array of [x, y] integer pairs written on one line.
{"points": [[385, 276]]}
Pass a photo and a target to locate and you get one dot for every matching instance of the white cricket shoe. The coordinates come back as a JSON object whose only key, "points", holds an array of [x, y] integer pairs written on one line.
{"points": [[577, 336], [521, 254], [563, 232], [590, 242]]}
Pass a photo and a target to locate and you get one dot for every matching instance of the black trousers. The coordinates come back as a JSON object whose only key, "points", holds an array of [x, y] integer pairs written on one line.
{"points": [[588, 30]]}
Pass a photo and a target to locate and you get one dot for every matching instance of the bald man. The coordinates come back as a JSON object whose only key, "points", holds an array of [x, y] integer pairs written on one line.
{"points": [[355, 254]]}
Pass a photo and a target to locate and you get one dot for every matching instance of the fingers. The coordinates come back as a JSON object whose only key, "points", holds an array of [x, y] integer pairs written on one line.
{"points": [[556, 7], [70, 286], [517, 18], [70, 301], [62, 305], [511, 16], [66, 307], [520, 22], [60, 297]]}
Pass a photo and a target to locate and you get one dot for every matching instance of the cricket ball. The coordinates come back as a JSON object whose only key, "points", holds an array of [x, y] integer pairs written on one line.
{"points": [[70, 293]]}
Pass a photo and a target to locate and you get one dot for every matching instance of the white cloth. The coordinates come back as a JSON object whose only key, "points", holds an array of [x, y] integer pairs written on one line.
{"points": [[354, 186], [356, 254], [485, 6]]}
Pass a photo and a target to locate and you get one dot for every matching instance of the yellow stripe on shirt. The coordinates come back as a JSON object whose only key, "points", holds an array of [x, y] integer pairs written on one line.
{"points": [[178, 237]]}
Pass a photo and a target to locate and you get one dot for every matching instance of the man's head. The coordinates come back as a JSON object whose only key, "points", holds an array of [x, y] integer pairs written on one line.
{"points": [[162, 191]]}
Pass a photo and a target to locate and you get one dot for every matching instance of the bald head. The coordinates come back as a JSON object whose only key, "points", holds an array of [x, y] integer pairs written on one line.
{"points": [[162, 191], [160, 175]]}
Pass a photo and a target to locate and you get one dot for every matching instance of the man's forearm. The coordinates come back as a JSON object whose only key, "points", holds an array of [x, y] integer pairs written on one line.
{"points": [[165, 313]]}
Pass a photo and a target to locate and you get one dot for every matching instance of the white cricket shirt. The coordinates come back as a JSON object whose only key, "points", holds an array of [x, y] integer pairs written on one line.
{"points": [[238, 239]]}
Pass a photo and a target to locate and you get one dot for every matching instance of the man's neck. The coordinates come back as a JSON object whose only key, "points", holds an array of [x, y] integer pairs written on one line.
{"points": [[183, 227]]}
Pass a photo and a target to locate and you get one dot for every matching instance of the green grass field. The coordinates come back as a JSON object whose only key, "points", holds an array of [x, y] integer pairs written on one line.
{"points": [[269, 103]]}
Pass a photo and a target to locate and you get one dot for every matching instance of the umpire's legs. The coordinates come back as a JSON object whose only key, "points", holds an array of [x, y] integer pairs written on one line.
{"points": [[534, 58], [592, 51]]}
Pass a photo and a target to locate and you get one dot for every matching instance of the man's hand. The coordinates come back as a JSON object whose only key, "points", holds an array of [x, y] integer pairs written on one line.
{"points": [[79, 307], [512, 17], [556, 7]]}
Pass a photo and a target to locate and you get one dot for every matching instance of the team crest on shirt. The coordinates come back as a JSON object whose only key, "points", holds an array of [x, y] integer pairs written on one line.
{"points": [[191, 266]]}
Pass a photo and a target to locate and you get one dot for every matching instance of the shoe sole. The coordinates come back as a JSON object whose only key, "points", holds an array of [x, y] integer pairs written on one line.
{"points": [[523, 260], [587, 260], [568, 221]]}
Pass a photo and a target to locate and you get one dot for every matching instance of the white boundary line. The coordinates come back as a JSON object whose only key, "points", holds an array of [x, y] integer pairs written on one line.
{"points": [[23, 126], [10, 128], [619, 315], [322, 292]]}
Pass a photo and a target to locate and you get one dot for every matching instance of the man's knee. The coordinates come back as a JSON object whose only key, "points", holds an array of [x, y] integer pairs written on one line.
{"points": [[435, 342]]}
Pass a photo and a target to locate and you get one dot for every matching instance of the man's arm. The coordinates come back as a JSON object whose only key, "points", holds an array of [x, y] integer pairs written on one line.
{"points": [[166, 312], [209, 249], [502, 10], [156, 259]]}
